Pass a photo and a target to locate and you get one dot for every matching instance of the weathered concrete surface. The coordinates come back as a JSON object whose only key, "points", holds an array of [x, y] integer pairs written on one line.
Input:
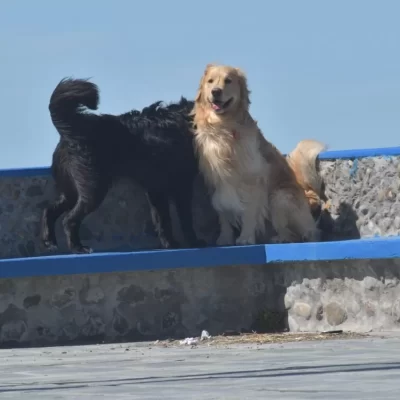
{"points": [[353, 295], [138, 305], [364, 195], [366, 369], [121, 223]]}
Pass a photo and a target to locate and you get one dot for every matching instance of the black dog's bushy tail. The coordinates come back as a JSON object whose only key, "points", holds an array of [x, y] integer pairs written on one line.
{"points": [[68, 103]]}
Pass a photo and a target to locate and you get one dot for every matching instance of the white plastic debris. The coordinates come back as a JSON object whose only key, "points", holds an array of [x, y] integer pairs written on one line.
{"points": [[205, 335], [189, 341]]}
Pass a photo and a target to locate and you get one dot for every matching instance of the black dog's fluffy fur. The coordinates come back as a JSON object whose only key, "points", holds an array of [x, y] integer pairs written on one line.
{"points": [[154, 147]]}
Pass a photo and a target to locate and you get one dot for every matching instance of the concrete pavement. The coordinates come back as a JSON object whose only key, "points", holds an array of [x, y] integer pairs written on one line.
{"points": [[367, 368]]}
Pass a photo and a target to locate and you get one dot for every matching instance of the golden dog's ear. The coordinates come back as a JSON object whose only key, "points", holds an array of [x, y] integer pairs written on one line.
{"points": [[208, 66], [202, 81], [244, 89]]}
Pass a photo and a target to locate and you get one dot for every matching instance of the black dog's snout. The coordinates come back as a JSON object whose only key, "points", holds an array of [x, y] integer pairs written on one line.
{"points": [[216, 92]]}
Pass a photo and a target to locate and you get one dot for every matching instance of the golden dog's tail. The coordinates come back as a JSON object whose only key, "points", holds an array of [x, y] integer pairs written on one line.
{"points": [[303, 161]]}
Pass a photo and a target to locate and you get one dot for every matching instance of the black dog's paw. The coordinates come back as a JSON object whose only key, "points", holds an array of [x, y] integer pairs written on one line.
{"points": [[169, 245], [82, 250], [50, 246], [199, 243]]}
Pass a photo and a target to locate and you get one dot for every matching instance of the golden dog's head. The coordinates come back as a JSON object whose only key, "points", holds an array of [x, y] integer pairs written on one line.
{"points": [[223, 89]]}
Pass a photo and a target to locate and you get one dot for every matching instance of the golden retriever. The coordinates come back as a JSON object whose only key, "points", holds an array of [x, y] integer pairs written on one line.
{"points": [[250, 180]]}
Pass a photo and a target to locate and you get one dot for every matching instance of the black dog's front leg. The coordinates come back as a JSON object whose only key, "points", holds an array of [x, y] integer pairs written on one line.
{"points": [[183, 198], [159, 207]]}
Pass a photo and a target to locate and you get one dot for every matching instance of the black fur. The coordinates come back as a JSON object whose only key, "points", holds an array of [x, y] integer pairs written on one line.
{"points": [[154, 147]]}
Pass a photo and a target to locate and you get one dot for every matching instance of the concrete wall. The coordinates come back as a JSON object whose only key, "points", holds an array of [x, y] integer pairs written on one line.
{"points": [[122, 223], [147, 305], [133, 305]]}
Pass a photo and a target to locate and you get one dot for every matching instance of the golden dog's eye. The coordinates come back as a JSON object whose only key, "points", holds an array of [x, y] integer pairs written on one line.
{"points": [[228, 80], [210, 80]]}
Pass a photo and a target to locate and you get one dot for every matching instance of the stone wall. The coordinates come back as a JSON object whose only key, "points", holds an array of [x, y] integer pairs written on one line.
{"points": [[134, 306], [351, 295], [356, 296], [364, 193], [122, 223], [365, 198]]}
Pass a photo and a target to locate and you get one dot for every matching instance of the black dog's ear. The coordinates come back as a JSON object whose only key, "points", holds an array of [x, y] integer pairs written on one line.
{"points": [[198, 97], [244, 89]]}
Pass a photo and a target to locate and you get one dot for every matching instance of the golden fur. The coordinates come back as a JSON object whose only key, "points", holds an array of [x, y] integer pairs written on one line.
{"points": [[303, 161], [250, 180]]}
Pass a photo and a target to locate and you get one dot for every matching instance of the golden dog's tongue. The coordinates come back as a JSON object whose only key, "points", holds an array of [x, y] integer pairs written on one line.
{"points": [[216, 107]]}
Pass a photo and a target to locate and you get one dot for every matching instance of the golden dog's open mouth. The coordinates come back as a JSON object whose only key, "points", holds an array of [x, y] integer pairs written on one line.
{"points": [[218, 105]]}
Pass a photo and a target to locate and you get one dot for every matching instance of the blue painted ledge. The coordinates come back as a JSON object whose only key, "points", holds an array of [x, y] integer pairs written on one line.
{"points": [[131, 261], [360, 153], [377, 248], [358, 249], [327, 155]]}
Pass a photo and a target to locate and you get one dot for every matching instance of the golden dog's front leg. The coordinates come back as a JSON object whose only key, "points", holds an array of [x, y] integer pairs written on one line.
{"points": [[252, 219], [248, 232], [227, 234]]}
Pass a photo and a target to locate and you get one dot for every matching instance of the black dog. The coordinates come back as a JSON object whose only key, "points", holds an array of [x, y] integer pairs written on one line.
{"points": [[154, 147]]}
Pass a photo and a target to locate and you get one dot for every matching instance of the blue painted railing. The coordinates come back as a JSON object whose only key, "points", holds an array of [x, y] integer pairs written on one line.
{"points": [[327, 155], [377, 248]]}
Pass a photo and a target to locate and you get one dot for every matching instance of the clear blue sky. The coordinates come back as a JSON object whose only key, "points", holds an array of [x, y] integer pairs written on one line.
{"points": [[317, 69]]}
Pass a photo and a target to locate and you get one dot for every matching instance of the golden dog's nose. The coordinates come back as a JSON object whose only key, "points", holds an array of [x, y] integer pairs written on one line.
{"points": [[216, 92]]}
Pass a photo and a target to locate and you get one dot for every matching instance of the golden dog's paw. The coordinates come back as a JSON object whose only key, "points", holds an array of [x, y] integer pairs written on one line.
{"points": [[278, 240]]}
